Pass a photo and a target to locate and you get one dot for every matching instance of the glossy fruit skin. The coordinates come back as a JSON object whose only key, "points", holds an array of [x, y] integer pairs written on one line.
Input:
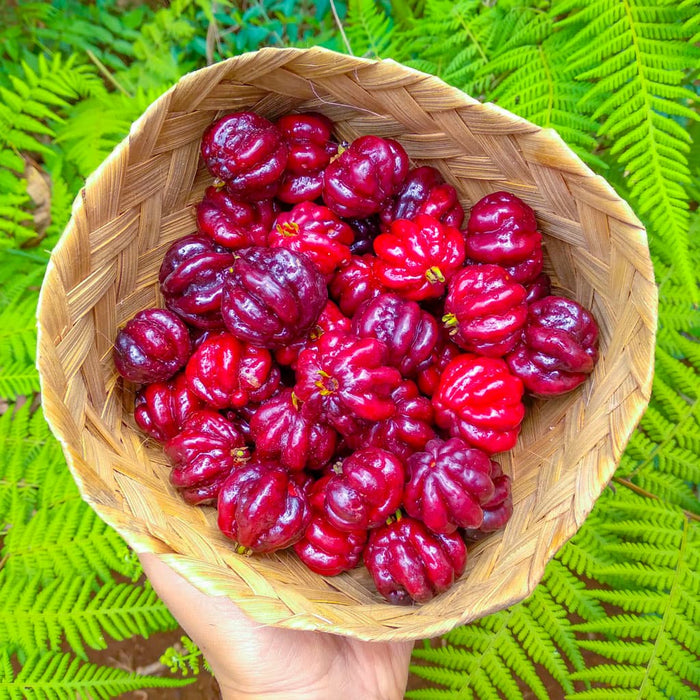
{"points": [[151, 347], [314, 231], [228, 373], [355, 283], [235, 223], [501, 229], [539, 288], [448, 484], [344, 380], [161, 408], [365, 490], [262, 507], [410, 333], [192, 277], [558, 349], [283, 433], [408, 563], [272, 297], [331, 319], [418, 258], [247, 152], [203, 454], [309, 138], [429, 377], [366, 230], [485, 310], [323, 548], [364, 176], [497, 510], [424, 191], [480, 401], [404, 433]]}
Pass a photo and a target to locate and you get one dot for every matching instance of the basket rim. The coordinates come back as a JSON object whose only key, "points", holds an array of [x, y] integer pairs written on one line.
{"points": [[186, 565]]}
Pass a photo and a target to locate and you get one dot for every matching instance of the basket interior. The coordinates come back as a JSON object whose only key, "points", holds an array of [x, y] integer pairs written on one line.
{"points": [[105, 269]]}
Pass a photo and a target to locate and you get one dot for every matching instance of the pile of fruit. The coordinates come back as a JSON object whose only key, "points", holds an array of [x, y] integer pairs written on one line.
{"points": [[339, 360]]}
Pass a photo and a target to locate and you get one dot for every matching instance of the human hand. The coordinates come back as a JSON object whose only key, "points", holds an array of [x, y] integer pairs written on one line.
{"points": [[251, 660]]}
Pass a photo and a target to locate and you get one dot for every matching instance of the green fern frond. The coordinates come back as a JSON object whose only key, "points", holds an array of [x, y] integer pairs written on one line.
{"points": [[185, 658], [79, 610], [64, 677], [32, 104], [454, 40], [65, 541], [86, 141], [20, 282], [368, 28], [634, 56], [494, 654], [654, 580]]}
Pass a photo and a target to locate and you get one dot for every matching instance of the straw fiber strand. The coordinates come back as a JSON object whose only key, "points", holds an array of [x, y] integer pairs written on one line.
{"points": [[141, 199]]}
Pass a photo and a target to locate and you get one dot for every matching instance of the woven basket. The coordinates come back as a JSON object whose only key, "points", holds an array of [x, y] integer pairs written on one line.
{"points": [[141, 199]]}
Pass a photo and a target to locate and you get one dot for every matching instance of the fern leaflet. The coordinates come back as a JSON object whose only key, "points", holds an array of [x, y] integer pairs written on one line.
{"points": [[634, 55], [64, 677]]}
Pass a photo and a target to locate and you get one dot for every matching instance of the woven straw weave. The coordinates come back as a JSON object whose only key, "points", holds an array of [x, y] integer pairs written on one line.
{"points": [[141, 199]]}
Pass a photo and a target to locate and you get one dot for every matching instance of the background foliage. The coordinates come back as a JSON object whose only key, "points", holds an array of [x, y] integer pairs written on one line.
{"points": [[618, 612]]}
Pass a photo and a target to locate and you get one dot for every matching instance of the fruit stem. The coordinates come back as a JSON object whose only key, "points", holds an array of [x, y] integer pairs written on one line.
{"points": [[288, 229], [434, 275]]}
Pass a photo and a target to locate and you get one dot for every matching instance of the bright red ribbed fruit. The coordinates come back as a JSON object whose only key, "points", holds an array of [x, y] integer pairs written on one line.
{"points": [[410, 333], [272, 297], [408, 563], [228, 373], [365, 489], [281, 432], [479, 400], [235, 223], [309, 138], [354, 283], [203, 454], [429, 377], [407, 431], [485, 310], [247, 152], [364, 176], [418, 258], [161, 408], [151, 347], [192, 277], [344, 380], [331, 319], [498, 509], [424, 191], [263, 507], [448, 484], [502, 229], [558, 348], [316, 232], [323, 548]]}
